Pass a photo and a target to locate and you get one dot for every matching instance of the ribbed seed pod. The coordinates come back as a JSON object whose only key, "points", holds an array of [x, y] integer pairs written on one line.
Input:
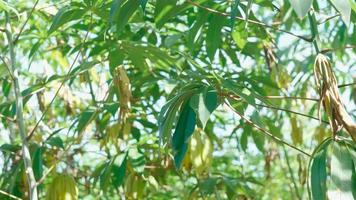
{"points": [[63, 187], [134, 187], [201, 152], [330, 97]]}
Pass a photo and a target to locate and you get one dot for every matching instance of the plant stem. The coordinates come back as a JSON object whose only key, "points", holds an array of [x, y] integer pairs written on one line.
{"points": [[266, 132], [291, 174], [62, 83], [293, 98], [19, 115], [249, 21]]}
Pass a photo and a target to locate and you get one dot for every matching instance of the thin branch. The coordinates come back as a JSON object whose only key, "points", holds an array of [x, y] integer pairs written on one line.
{"points": [[277, 108], [8, 118], [23, 26], [267, 132], [291, 174], [250, 21], [285, 97], [65, 150], [62, 83], [294, 112], [7, 66], [341, 48], [20, 116], [328, 18], [345, 85], [53, 5], [9, 195]]}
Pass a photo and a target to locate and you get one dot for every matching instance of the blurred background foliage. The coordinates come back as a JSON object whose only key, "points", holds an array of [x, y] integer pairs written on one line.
{"points": [[210, 60]]}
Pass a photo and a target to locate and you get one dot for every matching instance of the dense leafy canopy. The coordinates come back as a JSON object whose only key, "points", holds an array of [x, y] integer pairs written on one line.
{"points": [[174, 99]]}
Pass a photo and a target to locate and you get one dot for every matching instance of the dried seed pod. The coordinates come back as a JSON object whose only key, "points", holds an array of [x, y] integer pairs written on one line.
{"points": [[280, 75], [122, 82], [297, 132], [330, 97]]}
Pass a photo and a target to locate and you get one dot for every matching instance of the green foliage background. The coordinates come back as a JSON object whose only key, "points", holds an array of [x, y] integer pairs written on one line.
{"points": [[240, 72]]}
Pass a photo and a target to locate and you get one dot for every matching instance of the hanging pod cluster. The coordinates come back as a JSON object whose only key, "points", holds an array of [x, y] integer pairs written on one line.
{"points": [[122, 82], [63, 187], [330, 97], [122, 127]]}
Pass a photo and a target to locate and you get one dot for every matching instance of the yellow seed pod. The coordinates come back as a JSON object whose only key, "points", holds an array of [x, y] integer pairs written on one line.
{"points": [[122, 82], [201, 152], [296, 131], [134, 187], [187, 163], [63, 187]]}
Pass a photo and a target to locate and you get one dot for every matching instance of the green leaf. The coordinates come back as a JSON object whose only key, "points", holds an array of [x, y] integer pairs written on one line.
{"points": [[194, 33], [85, 118], [167, 116], [104, 178], [8, 8], [258, 138], [37, 163], [244, 137], [240, 35], [125, 13], [313, 24], [10, 148], [114, 10], [64, 16], [301, 7], [119, 172], [248, 9], [56, 142], [233, 14], [137, 160], [240, 91], [207, 186], [143, 4], [204, 104], [341, 170], [318, 172], [344, 8], [184, 129], [213, 36]]}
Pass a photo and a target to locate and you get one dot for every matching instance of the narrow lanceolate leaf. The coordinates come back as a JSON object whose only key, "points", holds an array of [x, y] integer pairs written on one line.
{"points": [[318, 173], [341, 169], [301, 7], [233, 14], [240, 35], [124, 14], [114, 10], [204, 104], [119, 172], [64, 16], [248, 9], [85, 118], [37, 163], [143, 4], [213, 36], [344, 8], [183, 131], [166, 118]]}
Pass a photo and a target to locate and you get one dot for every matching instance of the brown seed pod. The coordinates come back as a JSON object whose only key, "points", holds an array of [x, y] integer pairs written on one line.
{"points": [[330, 97]]}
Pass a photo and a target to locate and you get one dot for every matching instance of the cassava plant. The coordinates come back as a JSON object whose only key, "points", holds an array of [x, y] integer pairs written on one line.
{"points": [[177, 99]]}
